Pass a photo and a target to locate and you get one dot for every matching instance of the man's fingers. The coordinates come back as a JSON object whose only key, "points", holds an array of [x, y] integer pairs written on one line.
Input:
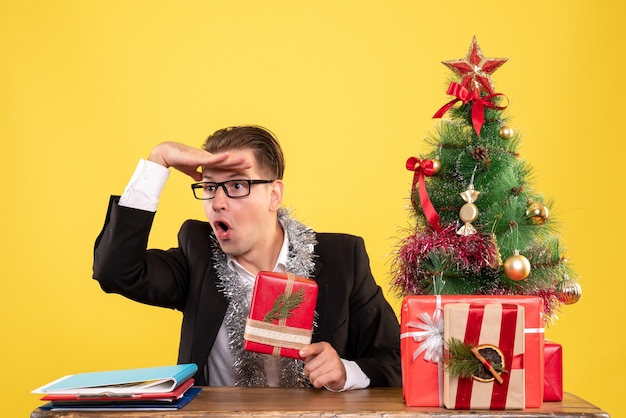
{"points": [[190, 160], [226, 161], [332, 376], [323, 366]]}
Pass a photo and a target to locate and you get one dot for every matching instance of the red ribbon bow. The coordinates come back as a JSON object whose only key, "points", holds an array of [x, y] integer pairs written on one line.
{"points": [[478, 104], [422, 168]]}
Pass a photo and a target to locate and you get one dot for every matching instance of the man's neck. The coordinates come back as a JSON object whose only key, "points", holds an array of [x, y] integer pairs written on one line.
{"points": [[264, 258]]}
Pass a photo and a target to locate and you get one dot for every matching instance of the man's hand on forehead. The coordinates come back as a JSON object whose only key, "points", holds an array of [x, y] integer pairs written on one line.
{"points": [[191, 161]]}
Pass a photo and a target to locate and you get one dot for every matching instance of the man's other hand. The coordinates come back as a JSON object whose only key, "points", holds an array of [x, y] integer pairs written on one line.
{"points": [[323, 366]]}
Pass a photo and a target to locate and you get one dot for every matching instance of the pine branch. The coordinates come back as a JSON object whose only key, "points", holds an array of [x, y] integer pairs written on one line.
{"points": [[284, 306], [462, 362]]}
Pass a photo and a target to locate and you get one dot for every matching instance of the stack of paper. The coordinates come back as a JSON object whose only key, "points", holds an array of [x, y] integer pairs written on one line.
{"points": [[151, 388]]}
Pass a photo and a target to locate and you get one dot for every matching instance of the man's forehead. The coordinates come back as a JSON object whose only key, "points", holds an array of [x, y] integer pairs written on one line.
{"points": [[213, 173]]}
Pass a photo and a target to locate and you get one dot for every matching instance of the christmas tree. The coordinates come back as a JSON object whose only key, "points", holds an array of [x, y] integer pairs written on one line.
{"points": [[480, 228]]}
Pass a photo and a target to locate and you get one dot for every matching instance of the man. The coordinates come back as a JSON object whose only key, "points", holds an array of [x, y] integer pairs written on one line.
{"points": [[210, 275]]}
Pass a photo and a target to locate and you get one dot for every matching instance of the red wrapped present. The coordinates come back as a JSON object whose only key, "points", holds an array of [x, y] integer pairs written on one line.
{"points": [[553, 372], [421, 346], [280, 321], [486, 341]]}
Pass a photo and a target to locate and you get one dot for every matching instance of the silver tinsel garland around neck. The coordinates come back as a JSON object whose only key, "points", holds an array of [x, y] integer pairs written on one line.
{"points": [[249, 367]]}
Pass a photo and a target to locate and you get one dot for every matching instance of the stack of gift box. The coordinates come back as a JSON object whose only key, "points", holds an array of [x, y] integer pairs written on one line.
{"points": [[530, 368]]}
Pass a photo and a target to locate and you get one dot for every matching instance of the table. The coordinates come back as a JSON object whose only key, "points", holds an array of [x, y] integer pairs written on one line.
{"points": [[286, 402]]}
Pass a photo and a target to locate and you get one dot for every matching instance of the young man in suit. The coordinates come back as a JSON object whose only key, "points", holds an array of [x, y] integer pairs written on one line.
{"points": [[210, 274]]}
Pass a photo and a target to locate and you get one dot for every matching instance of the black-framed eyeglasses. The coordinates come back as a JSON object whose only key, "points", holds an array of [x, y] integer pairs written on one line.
{"points": [[235, 189]]}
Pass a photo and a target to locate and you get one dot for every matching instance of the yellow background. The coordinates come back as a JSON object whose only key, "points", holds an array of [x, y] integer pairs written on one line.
{"points": [[349, 87]]}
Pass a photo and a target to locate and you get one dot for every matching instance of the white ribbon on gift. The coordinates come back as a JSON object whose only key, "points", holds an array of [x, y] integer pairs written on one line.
{"points": [[430, 337]]}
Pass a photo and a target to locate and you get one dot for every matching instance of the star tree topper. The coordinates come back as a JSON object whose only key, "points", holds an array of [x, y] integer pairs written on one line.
{"points": [[475, 70]]}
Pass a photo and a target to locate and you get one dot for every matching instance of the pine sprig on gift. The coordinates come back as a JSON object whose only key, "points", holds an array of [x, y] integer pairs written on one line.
{"points": [[284, 306], [462, 362]]}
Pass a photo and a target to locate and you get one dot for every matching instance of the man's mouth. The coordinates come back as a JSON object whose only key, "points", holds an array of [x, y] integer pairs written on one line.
{"points": [[222, 229]]}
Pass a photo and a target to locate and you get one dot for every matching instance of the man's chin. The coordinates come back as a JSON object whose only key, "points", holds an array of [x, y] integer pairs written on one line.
{"points": [[229, 247]]}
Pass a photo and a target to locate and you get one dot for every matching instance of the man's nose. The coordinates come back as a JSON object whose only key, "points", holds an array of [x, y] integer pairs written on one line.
{"points": [[221, 198]]}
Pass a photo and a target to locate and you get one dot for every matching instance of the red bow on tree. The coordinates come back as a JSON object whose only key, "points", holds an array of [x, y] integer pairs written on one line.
{"points": [[478, 104], [421, 169]]}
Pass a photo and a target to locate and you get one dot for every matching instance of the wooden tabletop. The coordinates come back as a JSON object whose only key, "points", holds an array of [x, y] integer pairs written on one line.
{"points": [[285, 402]]}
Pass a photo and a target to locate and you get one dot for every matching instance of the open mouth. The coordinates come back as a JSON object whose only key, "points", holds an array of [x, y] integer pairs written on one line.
{"points": [[222, 229]]}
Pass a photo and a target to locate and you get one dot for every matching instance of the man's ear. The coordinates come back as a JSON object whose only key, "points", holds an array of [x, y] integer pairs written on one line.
{"points": [[276, 196]]}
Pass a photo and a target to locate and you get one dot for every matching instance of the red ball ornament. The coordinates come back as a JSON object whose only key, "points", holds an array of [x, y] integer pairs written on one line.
{"points": [[517, 267]]}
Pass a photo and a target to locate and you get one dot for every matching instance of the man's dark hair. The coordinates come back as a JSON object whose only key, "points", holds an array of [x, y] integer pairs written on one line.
{"points": [[261, 141]]}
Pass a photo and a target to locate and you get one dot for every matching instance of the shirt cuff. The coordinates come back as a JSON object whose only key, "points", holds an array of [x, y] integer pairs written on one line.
{"points": [[145, 186], [355, 377]]}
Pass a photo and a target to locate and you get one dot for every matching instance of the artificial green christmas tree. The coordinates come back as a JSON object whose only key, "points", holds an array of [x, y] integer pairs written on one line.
{"points": [[480, 228]]}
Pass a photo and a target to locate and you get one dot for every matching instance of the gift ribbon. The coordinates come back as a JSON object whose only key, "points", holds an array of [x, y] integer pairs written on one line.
{"points": [[430, 337], [283, 321], [277, 336], [424, 168], [479, 103], [506, 345]]}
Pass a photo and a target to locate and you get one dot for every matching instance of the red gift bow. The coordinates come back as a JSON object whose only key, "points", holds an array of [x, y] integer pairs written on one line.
{"points": [[478, 104], [421, 168], [506, 345]]}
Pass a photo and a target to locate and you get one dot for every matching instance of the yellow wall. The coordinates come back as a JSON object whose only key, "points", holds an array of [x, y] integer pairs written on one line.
{"points": [[87, 87]]}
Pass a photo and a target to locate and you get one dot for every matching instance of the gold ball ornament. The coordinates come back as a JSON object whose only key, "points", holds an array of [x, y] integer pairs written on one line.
{"points": [[569, 292], [436, 165], [538, 213], [517, 267], [506, 132]]}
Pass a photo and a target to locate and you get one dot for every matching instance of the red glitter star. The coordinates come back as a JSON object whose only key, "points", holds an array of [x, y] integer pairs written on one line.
{"points": [[475, 70]]}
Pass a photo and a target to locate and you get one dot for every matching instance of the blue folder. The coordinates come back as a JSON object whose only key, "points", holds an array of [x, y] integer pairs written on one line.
{"points": [[122, 382]]}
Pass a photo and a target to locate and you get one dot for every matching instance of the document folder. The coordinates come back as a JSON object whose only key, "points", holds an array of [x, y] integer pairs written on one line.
{"points": [[127, 382]]}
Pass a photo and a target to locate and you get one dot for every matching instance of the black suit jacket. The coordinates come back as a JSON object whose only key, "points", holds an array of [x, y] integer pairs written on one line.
{"points": [[354, 316]]}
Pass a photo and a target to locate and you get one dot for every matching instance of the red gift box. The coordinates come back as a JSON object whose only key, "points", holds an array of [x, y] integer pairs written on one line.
{"points": [[280, 321], [493, 328], [421, 346], [553, 372]]}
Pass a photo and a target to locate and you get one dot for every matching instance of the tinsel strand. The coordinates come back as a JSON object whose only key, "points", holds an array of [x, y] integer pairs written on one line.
{"points": [[249, 367]]}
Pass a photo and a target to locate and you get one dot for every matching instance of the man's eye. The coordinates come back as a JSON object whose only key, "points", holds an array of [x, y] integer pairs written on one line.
{"points": [[238, 185], [210, 187]]}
